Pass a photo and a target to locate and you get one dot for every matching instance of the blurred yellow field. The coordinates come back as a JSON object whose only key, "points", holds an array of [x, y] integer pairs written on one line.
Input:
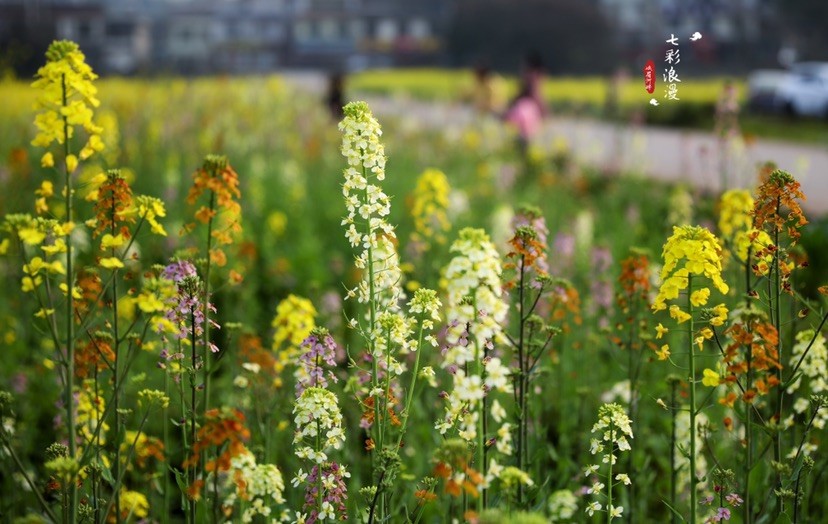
{"points": [[445, 84]]}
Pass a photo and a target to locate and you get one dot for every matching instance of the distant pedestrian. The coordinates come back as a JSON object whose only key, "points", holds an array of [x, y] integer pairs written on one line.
{"points": [[528, 109], [726, 128], [727, 111], [335, 97], [526, 115], [532, 79]]}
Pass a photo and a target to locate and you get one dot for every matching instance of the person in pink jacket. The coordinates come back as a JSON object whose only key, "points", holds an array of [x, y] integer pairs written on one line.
{"points": [[527, 110]]}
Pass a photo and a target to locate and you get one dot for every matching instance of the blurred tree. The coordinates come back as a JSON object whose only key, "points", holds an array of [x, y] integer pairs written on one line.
{"points": [[571, 36], [806, 24], [25, 33]]}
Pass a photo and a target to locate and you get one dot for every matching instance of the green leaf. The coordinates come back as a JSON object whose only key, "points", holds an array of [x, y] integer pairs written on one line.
{"points": [[676, 513]]}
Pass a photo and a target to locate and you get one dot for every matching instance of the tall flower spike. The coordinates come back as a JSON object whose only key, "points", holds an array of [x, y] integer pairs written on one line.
{"points": [[475, 313], [368, 206], [777, 212], [429, 208], [475, 272], [613, 434], [318, 422], [66, 69], [736, 227], [735, 208], [691, 250], [223, 212], [692, 260]]}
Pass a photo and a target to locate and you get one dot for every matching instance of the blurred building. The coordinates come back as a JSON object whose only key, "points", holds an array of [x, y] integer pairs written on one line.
{"points": [[231, 36], [727, 26]]}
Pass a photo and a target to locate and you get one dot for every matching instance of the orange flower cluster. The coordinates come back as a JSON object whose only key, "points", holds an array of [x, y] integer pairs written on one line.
{"points": [[146, 448], [90, 289], [565, 302], [455, 487], [526, 250], [634, 278], [112, 206], [756, 338], [778, 193], [224, 430], [94, 354], [252, 351], [221, 180], [368, 413], [424, 496]]}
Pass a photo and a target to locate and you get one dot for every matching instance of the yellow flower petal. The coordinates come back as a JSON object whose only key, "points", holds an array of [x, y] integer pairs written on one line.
{"points": [[711, 378], [47, 160], [71, 163], [111, 263], [108, 241]]}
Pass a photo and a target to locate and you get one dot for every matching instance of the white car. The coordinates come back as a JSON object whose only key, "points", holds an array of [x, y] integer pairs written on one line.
{"points": [[804, 91], [762, 88]]}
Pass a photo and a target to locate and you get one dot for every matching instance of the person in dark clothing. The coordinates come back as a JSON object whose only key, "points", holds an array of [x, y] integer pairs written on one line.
{"points": [[335, 98]]}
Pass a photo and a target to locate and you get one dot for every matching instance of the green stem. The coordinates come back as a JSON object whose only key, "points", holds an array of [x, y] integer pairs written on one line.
{"points": [[32, 486], [693, 479], [383, 426], [372, 318], [165, 513], [70, 310], [410, 394], [673, 469], [96, 494], [205, 303], [748, 439], [206, 306], [609, 476], [130, 453], [777, 323], [632, 375], [319, 469], [522, 383], [193, 469], [481, 417], [116, 377]]}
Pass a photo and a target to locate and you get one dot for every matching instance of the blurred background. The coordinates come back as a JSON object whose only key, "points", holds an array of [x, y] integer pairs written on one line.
{"points": [[185, 37], [752, 88]]}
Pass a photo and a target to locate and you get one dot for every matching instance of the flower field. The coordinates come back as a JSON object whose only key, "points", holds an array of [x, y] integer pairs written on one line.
{"points": [[222, 305]]}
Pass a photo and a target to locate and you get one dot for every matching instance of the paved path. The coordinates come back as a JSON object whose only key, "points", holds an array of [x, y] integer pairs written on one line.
{"points": [[663, 153], [667, 154]]}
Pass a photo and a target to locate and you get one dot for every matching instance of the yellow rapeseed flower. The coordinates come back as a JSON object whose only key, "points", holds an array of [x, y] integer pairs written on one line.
{"points": [[134, 503], [148, 302], [108, 241], [735, 212], [31, 235], [699, 297], [429, 207], [690, 251], [150, 208], [719, 315], [757, 241], [111, 263], [65, 101], [711, 378], [294, 321], [47, 160]]}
